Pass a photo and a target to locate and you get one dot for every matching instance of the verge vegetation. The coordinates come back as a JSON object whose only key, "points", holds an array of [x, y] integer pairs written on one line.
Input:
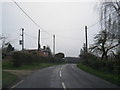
{"points": [[24, 61], [8, 79], [111, 77]]}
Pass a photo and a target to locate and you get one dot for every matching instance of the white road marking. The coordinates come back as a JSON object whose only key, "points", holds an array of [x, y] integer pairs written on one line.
{"points": [[63, 85], [61, 68], [60, 74], [17, 84]]}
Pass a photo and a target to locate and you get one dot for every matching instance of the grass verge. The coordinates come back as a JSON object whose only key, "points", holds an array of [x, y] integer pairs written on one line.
{"points": [[8, 65], [8, 79], [113, 78]]}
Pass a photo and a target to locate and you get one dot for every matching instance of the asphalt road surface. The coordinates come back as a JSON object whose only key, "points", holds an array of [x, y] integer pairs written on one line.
{"points": [[62, 76]]}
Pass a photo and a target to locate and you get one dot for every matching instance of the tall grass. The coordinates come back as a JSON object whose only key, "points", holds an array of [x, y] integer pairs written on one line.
{"points": [[113, 78], [8, 79]]}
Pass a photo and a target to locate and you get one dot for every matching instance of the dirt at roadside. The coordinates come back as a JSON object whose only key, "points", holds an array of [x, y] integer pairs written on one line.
{"points": [[20, 73]]}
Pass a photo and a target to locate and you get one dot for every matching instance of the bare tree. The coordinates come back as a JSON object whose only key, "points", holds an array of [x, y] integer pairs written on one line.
{"points": [[3, 41], [105, 42], [110, 16]]}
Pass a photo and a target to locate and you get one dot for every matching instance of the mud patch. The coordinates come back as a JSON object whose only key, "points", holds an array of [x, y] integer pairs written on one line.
{"points": [[20, 73]]}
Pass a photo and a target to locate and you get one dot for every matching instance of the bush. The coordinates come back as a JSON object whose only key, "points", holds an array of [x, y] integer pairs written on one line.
{"points": [[111, 65], [22, 58], [98, 64], [58, 60], [89, 59], [6, 64]]}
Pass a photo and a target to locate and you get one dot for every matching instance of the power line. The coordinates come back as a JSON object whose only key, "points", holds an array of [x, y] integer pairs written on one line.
{"points": [[100, 20], [30, 35], [47, 32], [36, 37], [30, 17], [46, 38], [27, 15], [30, 43], [59, 37], [42, 28], [64, 37], [97, 23]]}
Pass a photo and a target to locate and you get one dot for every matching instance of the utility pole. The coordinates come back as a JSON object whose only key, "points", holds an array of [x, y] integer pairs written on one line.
{"points": [[22, 38], [22, 41], [53, 45], [86, 39], [39, 40], [86, 46]]}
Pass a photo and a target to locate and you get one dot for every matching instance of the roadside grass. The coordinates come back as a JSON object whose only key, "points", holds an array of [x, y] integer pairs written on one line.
{"points": [[8, 79], [113, 78], [8, 65]]}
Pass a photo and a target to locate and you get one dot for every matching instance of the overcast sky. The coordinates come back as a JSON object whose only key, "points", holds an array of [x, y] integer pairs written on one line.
{"points": [[64, 19]]}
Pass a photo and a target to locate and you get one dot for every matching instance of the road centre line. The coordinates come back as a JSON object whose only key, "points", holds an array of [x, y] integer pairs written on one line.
{"points": [[17, 84], [63, 85], [60, 74]]}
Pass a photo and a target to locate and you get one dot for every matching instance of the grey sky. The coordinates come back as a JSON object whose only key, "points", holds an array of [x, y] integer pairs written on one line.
{"points": [[64, 19]]}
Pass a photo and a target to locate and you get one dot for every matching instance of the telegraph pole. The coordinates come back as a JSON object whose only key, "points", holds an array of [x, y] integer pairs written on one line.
{"points": [[86, 39], [22, 41], [86, 46], [53, 45], [39, 40], [22, 38]]}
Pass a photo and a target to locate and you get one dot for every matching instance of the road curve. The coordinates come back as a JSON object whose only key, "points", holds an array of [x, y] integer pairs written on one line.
{"points": [[62, 76]]}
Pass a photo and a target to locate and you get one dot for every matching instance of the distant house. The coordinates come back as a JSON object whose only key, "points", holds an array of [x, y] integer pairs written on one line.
{"points": [[41, 52]]}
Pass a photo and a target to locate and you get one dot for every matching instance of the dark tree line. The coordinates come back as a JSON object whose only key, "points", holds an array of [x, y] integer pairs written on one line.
{"points": [[104, 54]]}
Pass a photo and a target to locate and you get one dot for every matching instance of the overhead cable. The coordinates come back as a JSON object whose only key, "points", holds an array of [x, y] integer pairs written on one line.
{"points": [[30, 18]]}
